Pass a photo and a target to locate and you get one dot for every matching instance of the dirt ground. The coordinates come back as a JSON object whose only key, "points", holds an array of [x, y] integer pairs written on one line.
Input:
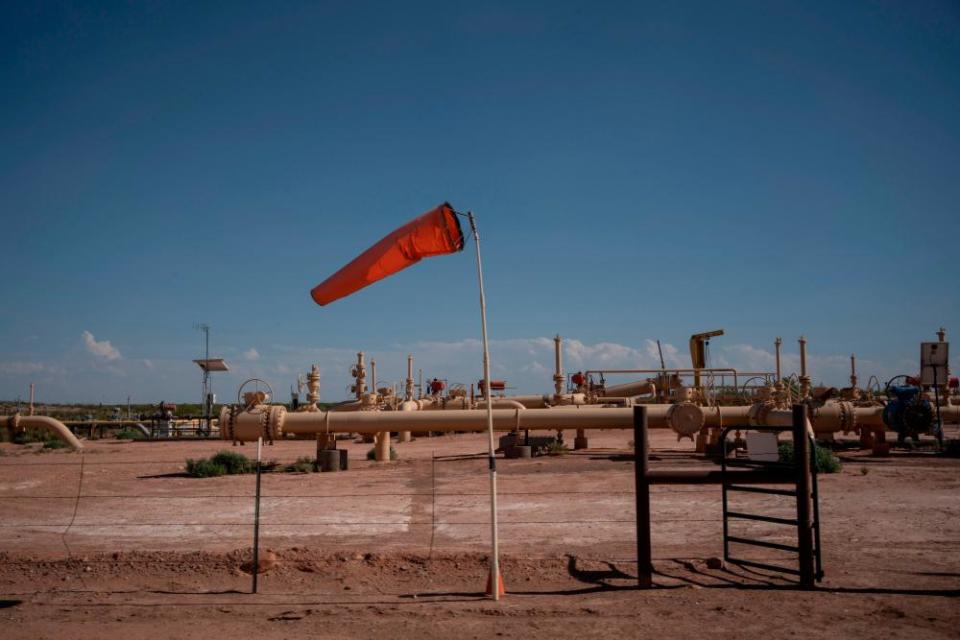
{"points": [[119, 542]]}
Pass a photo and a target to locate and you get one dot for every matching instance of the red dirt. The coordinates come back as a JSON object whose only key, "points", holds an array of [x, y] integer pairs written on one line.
{"points": [[398, 550]]}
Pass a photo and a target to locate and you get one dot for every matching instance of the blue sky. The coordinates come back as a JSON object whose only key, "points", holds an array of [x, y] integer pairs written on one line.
{"points": [[639, 171]]}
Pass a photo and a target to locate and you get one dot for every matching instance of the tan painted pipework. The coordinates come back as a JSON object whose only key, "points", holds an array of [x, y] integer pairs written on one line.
{"points": [[631, 389], [830, 418], [381, 452], [313, 386], [502, 403], [722, 371], [558, 377], [46, 423], [360, 376], [106, 423], [247, 426], [467, 420], [460, 404], [530, 402], [409, 404], [625, 402], [373, 375], [456, 403]]}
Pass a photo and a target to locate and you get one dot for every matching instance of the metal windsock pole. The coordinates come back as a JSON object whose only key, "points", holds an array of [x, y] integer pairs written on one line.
{"points": [[495, 541]]}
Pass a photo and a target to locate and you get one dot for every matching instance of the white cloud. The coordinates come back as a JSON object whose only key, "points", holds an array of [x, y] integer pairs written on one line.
{"points": [[102, 349], [526, 363], [749, 358], [535, 368], [251, 355], [671, 355]]}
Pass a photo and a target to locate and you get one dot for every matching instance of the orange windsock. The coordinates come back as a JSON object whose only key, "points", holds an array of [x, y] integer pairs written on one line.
{"points": [[434, 233]]}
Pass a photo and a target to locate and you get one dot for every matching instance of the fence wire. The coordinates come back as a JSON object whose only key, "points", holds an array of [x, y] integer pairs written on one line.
{"points": [[80, 518]]}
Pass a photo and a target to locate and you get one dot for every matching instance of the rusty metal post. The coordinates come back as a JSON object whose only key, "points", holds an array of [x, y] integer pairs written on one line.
{"points": [[642, 483], [802, 462]]}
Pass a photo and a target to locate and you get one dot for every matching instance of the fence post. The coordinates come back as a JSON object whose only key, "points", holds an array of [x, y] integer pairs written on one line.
{"points": [[642, 493], [256, 520], [802, 454]]}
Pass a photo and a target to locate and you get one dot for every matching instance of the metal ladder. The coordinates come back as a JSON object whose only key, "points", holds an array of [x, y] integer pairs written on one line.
{"points": [[810, 565]]}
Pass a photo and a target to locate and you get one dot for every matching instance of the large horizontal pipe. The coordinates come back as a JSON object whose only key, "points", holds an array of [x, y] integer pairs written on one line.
{"points": [[248, 425], [51, 425]]}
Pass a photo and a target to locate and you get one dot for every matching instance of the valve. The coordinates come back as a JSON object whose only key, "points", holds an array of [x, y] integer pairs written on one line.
{"points": [[907, 412]]}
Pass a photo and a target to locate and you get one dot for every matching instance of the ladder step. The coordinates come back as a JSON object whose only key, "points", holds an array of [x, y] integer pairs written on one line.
{"points": [[763, 543], [759, 464], [776, 492], [761, 565], [751, 516]]}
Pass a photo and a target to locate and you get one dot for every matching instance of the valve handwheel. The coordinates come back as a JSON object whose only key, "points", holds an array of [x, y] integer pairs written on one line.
{"points": [[268, 395]]}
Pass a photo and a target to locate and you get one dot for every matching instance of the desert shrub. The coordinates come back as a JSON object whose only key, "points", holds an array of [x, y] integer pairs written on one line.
{"points": [[234, 463], [372, 454], [32, 435], [557, 449], [55, 444], [204, 468], [130, 434], [827, 461], [305, 464], [223, 463]]}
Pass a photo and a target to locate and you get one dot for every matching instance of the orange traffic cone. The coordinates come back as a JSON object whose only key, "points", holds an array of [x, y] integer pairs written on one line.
{"points": [[500, 588]]}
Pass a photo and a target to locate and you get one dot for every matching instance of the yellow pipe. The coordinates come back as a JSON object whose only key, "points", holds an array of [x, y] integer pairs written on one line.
{"points": [[502, 403], [459, 404], [51, 425], [247, 426], [558, 377], [631, 389]]}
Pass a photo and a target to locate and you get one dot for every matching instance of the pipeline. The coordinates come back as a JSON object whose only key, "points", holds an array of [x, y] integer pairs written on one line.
{"points": [[631, 389], [502, 403], [459, 404], [530, 402], [51, 425], [684, 418]]}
